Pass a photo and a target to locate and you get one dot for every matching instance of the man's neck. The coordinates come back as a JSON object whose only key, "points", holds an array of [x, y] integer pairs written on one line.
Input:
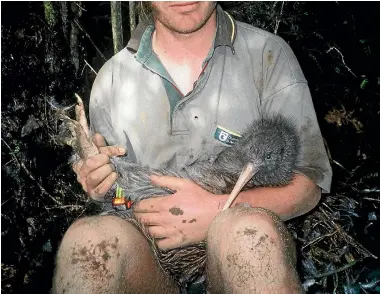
{"points": [[184, 47]]}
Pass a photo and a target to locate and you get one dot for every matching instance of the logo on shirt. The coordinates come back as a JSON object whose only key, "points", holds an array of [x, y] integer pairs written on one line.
{"points": [[226, 136]]}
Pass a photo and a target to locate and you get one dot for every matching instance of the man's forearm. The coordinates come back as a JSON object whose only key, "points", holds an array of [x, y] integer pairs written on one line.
{"points": [[287, 202]]}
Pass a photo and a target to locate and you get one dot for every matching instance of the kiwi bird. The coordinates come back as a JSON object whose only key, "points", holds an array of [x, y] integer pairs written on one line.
{"points": [[265, 156]]}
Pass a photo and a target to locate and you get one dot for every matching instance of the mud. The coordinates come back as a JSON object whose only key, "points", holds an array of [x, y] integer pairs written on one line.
{"points": [[93, 259], [176, 211]]}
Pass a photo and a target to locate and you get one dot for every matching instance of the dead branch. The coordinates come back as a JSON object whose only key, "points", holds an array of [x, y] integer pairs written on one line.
{"points": [[278, 19], [132, 15], [341, 55], [330, 157], [346, 236], [371, 199], [316, 240], [71, 206], [87, 64], [117, 26], [343, 268]]}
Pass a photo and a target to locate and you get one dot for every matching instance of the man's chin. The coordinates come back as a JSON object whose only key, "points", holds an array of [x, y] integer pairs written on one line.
{"points": [[185, 31], [186, 28]]}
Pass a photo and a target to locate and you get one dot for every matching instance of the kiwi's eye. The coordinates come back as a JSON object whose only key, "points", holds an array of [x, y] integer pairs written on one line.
{"points": [[269, 156]]}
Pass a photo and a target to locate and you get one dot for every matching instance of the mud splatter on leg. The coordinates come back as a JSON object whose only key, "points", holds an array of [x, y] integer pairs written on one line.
{"points": [[255, 256]]}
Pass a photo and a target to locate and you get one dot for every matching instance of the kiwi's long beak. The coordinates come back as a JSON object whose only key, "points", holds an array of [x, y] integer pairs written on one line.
{"points": [[248, 172]]}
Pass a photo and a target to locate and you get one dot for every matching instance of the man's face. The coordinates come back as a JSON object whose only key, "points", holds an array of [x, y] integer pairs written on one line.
{"points": [[183, 17]]}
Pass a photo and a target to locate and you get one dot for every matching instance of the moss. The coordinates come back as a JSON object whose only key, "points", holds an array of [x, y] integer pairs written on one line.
{"points": [[50, 13]]}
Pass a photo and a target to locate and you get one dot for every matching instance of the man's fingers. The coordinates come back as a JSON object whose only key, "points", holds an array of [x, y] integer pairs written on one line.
{"points": [[98, 175], [166, 243], [150, 219], [95, 174], [92, 163], [148, 205], [98, 140], [108, 150], [112, 150], [171, 183], [157, 232], [103, 187]]}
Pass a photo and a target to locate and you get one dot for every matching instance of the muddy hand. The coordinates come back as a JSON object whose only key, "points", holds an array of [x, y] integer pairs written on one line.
{"points": [[178, 219]]}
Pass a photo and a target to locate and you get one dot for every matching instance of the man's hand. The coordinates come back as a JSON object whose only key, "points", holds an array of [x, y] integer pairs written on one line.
{"points": [[95, 173], [182, 218]]}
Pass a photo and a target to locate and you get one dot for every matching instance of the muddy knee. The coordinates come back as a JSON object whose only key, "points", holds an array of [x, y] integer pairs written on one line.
{"points": [[99, 250], [244, 215], [249, 251], [242, 225], [109, 231]]}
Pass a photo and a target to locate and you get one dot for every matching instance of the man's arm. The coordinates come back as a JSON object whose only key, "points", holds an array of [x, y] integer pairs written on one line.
{"points": [[295, 199], [286, 92]]}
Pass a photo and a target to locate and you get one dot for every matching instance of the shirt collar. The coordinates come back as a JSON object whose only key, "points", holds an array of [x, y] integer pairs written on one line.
{"points": [[225, 32]]}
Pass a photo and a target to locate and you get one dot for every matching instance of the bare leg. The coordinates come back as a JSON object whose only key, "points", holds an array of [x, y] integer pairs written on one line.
{"points": [[250, 251], [106, 254]]}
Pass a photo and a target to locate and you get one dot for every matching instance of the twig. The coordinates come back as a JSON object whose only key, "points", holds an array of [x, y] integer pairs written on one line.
{"points": [[346, 236], [93, 70], [341, 55], [2, 203], [80, 7], [8, 162], [30, 174], [328, 207], [366, 191], [347, 266], [319, 239], [371, 199], [279, 20], [330, 157], [74, 207], [338, 164], [88, 36]]}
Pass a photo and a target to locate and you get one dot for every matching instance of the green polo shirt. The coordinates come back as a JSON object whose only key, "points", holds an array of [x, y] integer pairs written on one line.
{"points": [[146, 56], [249, 73]]}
